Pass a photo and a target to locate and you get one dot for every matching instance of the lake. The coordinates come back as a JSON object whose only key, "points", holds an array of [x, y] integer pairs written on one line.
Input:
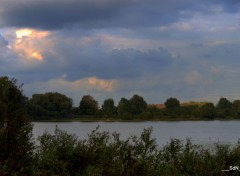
{"points": [[200, 132]]}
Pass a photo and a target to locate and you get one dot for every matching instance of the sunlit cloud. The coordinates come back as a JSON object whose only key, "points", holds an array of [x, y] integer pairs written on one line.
{"points": [[75, 89], [90, 83], [28, 43], [23, 33]]}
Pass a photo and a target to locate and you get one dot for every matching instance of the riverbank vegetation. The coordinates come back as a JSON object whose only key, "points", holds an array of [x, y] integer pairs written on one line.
{"points": [[102, 153]]}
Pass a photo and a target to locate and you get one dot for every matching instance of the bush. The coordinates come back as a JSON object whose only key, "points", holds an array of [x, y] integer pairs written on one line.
{"points": [[104, 153], [145, 116]]}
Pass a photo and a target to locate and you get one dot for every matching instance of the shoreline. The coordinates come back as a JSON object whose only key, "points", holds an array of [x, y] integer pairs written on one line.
{"points": [[134, 120]]}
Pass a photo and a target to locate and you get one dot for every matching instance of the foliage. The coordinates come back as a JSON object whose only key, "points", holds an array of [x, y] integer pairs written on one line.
{"points": [[104, 153], [54, 152], [124, 107], [108, 108], [138, 104], [236, 108], [127, 109], [224, 103], [172, 103], [15, 129], [145, 115], [50, 104], [101, 154], [88, 105], [223, 108], [208, 111]]}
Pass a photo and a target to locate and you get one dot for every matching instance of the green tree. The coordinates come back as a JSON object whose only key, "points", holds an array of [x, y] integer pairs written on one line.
{"points": [[88, 105], [172, 103], [51, 104], [138, 104], [15, 130], [208, 110], [224, 103], [108, 107], [236, 108], [124, 107], [223, 107], [153, 110]]}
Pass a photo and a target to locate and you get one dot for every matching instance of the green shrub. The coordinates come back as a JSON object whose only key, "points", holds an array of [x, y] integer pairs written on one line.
{"points": [[104, 153]]}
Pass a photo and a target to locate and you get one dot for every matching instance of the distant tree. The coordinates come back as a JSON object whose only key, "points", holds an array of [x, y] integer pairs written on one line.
{"points": [[16, 146], [88, 106], [172, 103], [124, 107], [108, 107], [153, 110], [138, 104], [51, 104], [236, 105], [190, 110], [223, 108], [224, 103], [236, 108], [208, 111]]}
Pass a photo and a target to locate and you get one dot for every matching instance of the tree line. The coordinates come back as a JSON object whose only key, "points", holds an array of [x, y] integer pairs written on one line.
{"points": [[56, 105]]}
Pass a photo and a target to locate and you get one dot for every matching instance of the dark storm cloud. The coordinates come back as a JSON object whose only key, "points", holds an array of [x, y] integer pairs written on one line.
{"points": [[77, 64], [124, 63], [52, 14], [57, 14]]}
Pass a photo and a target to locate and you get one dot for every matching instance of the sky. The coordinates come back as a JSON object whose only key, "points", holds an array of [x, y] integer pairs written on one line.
{"points": [[188, 49]]}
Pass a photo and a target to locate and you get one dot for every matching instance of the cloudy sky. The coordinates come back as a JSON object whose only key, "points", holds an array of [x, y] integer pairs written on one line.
{"points": [[188, 49]]}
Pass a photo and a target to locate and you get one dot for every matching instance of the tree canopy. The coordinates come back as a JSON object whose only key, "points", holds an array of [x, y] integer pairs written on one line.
{"points": [[15, 129], [224, 103], [124, 107], [172, 103], [138, 104], [108, 107], [88, 105], [51, 104], [208, 110]]}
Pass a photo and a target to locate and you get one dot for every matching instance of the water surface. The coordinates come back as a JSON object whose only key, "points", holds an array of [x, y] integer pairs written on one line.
{"points": [[200, 132]]}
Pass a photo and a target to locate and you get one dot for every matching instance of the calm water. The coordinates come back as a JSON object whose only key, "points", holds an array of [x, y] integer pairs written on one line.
{"points": [[201, 132]]}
